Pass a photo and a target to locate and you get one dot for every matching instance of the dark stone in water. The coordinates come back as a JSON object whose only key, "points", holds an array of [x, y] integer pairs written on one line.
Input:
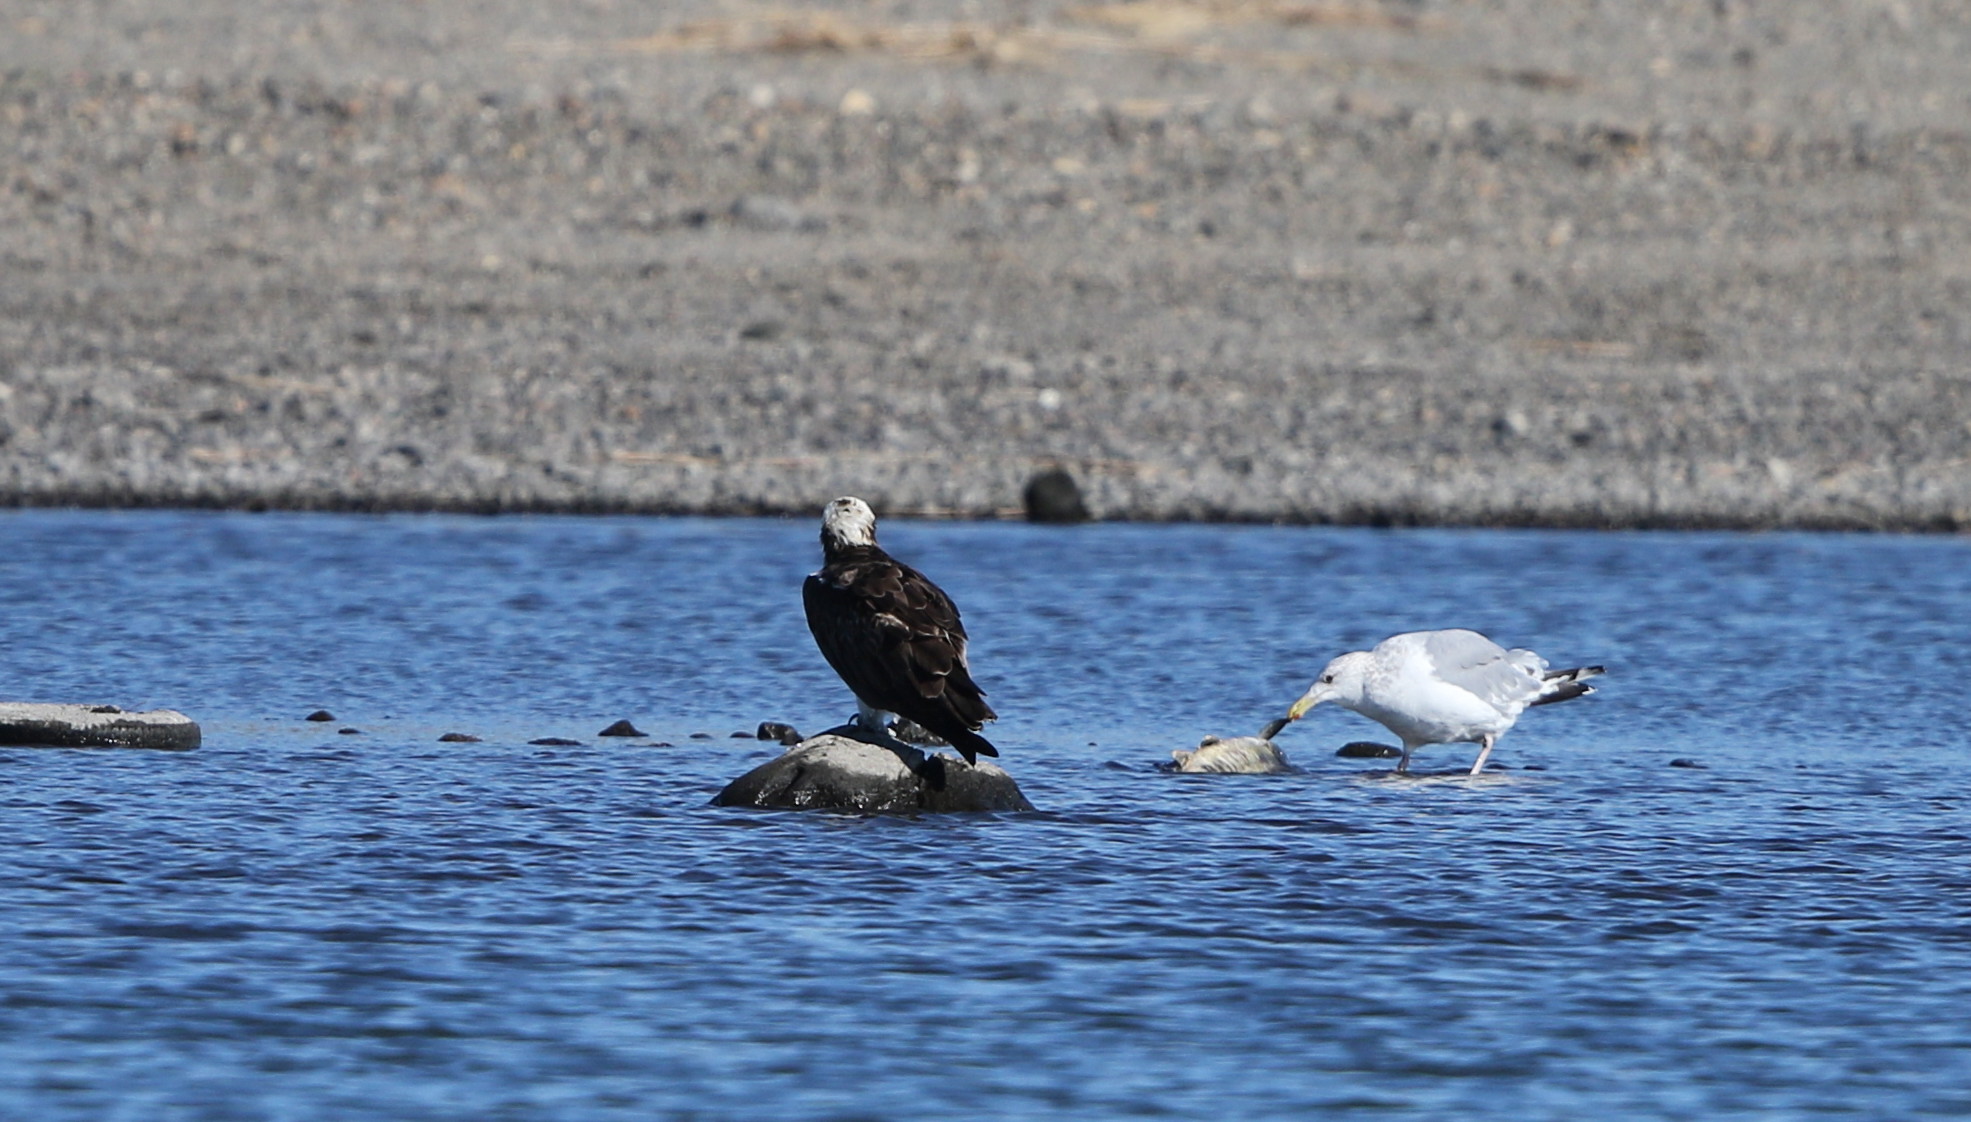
{"points": [[701, 736], [622, 728], [349, 732], [556, 742], [1368, 750], [774, 730], [458, 738], [1681, 761], [842, 770], [742, 736], [320, 715], [1053, 496]]}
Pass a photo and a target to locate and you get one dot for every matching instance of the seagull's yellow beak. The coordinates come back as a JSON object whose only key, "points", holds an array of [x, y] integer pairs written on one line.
{"points": [[1301, 707]]}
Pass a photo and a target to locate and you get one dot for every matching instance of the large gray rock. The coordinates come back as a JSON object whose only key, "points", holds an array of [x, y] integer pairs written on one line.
{"points": [[836, 770], [1238, 755], [95, 726]]}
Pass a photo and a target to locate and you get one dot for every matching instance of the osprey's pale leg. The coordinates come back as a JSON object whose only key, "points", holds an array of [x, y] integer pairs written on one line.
{"points": [[874, 720], [1484, 750]]}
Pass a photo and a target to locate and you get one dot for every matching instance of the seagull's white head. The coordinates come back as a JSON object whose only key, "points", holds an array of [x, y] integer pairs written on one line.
{"points": [[1341, 682], [846, 522]]}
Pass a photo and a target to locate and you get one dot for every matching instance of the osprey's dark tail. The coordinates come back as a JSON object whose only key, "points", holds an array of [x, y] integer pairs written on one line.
{"points": [[969, 744], [1565, 685], [961, 708]]}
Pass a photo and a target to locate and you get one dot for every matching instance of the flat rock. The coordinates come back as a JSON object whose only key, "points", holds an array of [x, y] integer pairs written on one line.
{"points": [[836, 770], [1238, 755], [95, 726]]}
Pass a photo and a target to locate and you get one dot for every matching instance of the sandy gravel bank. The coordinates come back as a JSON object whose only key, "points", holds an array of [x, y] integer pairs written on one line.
{"points": [[1487, 262]]}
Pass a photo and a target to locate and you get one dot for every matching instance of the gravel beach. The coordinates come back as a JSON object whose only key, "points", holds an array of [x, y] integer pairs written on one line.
{"points": [[1498, 263]]}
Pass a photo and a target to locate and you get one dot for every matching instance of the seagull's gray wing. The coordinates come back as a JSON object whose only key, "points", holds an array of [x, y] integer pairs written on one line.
{"points": [[1504, 679]]}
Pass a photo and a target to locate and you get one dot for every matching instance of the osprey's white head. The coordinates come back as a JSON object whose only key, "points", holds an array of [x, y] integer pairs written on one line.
{"points": [[1341, 682], [846, 522]]}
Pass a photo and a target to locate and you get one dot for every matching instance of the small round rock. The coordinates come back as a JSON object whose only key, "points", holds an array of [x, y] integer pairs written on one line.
{"points": [[776, 730], [1053, 496]]}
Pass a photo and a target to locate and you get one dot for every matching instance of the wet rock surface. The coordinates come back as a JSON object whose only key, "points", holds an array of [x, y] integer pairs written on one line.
{"points": [[95, 726], [840, 770], [1695, 266]]}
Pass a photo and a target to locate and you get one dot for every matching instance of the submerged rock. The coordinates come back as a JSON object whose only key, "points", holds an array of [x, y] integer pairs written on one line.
{"points": [[622, 728], [1368, 750], [95, 726], [839, 770], [1238, 755]]}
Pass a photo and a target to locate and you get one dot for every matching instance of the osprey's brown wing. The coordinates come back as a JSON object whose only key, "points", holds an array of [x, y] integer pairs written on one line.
{"points": [[898, 642]]}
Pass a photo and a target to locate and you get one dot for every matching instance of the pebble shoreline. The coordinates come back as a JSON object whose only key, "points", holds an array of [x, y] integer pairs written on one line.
{"points": [[1466, 267]]}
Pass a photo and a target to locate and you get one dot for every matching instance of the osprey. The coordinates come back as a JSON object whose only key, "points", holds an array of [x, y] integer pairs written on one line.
{"points": [[893, 636], [1442, 687]]}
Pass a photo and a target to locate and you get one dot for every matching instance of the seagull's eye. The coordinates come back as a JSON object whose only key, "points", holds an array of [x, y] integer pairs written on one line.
{"points": [[1327, 679]]}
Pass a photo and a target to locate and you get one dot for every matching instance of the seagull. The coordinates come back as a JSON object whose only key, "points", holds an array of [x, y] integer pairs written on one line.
{"points": [[1442, 687], [893, 636]]}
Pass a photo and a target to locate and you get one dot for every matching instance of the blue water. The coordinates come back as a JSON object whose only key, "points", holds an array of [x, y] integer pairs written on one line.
{"points": [[295, 923]]}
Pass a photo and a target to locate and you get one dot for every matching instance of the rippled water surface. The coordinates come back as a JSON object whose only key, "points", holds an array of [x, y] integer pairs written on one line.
{"points": [[296, 923]]}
